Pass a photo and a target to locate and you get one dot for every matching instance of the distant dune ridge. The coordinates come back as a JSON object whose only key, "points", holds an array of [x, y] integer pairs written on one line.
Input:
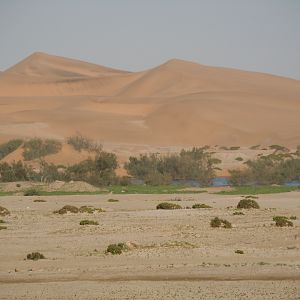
{"points": [[176, 103]]}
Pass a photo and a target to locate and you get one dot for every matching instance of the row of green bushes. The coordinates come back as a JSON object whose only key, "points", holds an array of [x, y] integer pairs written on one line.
{"points": [[37, 148], [275, 168], [97, 171], [196, 164]]}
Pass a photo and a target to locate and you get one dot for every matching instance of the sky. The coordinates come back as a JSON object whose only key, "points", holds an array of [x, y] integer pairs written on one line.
{"points": [[254, 35]]}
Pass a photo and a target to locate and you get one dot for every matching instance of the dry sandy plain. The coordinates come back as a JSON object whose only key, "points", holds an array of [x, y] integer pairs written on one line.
{"points": [[179, 256]]}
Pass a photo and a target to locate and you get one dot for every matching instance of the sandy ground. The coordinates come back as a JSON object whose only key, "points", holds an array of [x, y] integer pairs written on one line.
{"points": [[179, 255]]}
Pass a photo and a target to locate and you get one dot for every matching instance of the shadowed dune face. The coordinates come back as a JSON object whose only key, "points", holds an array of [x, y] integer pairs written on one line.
{"points": [[177, 103]]}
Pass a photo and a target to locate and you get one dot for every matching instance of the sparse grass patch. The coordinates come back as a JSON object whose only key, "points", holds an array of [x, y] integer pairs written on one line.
{"points": [[116, 249], [167, 205], [89, 209], [282, 221], [35, 256], [217, 222], [39, 200], [32, 192], [4, 211], [3, 227], [238, 213], [239, 158], [2, 221], [201, 205], [88, 222], [112, 200]]}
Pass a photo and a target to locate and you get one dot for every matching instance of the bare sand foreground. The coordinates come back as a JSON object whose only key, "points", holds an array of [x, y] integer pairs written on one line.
{"points": [[179, 256]]}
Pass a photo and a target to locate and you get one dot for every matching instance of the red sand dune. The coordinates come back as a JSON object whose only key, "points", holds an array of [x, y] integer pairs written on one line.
{"points": [[177, 103]]}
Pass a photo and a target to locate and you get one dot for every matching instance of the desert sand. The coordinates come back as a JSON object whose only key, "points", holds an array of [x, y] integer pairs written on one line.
{"points": [[178, 255], [178, 103]]}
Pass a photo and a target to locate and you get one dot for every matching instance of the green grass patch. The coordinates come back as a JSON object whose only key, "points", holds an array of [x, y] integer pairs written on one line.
{"points": [[119, 190], [256, 190], [148, 189]]}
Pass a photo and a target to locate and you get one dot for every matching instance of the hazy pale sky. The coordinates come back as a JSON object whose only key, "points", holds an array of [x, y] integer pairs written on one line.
{"points": [[257, 35]]}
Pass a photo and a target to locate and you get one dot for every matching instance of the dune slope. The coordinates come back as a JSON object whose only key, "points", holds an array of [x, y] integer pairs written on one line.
{"points": [[176, 103]]}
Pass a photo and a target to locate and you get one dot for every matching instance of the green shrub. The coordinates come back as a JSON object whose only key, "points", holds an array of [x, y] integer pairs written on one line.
{"points": [[282, 221], [98, 171], [3, 227], [247, 203], [217, 222], [9, 147], [66, 209], [16, 171], [167, 205], [275, 168], [116, 249], [32, 192], [4, 211], [195, 164], [239, 251], [35, 256], [201, 205], [37, 148], [88, 222]]}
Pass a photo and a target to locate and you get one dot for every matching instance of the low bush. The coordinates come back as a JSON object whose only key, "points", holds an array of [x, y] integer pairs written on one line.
{"points": [[4, 211], [3, 227], [217, 222], [66, 209], [282, 221], [35, 256], [2, 221], [88, 222], [39, 200], [293, 218], [201, 205], [32, 192], [116, 249], [239, 251], [247, 204], [167, 205]]}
